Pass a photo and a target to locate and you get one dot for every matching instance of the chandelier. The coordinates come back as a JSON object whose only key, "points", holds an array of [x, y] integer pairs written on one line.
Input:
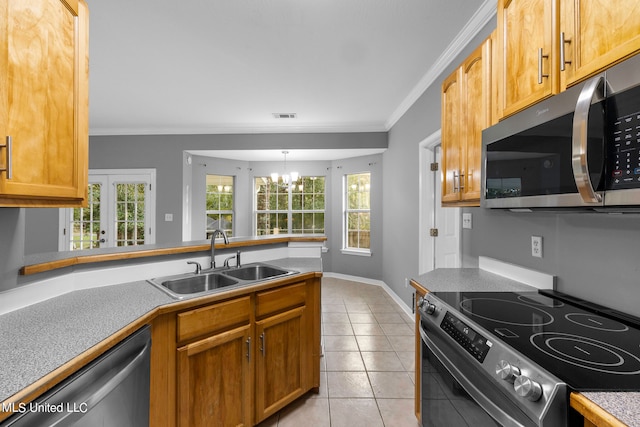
{"points": [[286, 177]]}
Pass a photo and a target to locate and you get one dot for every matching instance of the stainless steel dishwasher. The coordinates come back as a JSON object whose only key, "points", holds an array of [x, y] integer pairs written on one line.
{"points": [[113, 390]]}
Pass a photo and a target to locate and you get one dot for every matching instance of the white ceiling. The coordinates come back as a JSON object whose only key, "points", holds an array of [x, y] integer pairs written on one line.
{"points": [[224, 66]]}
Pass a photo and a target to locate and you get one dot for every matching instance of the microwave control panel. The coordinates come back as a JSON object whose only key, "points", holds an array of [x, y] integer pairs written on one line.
{"points": [[624, 131]]}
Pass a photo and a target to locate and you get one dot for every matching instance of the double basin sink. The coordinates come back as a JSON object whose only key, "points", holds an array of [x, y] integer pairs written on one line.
{"points": [[209, 281]]}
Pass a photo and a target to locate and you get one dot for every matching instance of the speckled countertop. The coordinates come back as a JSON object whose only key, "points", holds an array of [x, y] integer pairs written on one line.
{"points": [[625, 406], [42, 337], [468, 280]]}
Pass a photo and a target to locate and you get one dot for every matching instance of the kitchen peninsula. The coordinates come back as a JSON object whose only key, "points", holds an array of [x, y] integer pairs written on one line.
{"points": [[48, 341]]}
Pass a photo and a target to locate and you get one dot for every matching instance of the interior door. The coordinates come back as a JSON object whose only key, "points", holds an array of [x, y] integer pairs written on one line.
{"points": [[448, 223]]}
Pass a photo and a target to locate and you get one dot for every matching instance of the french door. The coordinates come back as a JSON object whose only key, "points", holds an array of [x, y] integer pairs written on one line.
{"points": [[120, 212]]}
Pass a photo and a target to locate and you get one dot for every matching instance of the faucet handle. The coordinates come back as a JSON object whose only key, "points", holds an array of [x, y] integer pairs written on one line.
{"points": [[198, 266]]}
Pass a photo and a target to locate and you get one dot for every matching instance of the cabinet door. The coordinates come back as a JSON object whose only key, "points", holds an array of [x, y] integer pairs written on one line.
{"points": [[283, 361], [215, 380], [46, 100], [525, 27], [451, 137], [476, 116], [598, 33]]}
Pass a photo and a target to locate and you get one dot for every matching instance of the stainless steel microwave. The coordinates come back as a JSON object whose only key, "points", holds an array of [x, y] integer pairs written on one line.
{"points": [[580, 148]]}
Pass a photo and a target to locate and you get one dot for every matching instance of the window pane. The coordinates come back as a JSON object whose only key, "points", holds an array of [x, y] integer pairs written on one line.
{"points": [[220, 205], [130, 221], [357, 211], [306, 198], [85, 225]]}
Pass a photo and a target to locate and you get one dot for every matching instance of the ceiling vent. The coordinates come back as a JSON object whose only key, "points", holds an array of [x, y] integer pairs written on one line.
{"points": [[285, 115]]}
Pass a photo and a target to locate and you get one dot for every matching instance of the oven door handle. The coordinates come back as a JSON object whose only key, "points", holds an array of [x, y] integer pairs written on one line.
{"points": [[489, 407], [593, 91]]}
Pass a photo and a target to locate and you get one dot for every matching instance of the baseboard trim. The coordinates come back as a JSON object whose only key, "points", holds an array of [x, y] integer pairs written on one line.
{"points": [[374, 282]]}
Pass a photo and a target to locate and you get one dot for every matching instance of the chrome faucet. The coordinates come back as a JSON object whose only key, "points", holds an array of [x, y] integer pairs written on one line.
{"points": [[213, 245]]}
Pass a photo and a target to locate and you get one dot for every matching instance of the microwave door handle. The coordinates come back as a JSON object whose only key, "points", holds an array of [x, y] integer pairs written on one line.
{"points": [[592, 90]]}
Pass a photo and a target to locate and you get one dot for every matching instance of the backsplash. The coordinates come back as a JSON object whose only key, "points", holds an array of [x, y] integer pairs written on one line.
{"points": [[594, 255]]}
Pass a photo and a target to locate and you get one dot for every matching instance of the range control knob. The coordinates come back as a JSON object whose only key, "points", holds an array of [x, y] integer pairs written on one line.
{"points": [[527, 388], [507, 371], [426, 306]]}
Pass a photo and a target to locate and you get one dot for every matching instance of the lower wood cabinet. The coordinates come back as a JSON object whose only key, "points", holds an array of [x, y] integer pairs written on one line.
{"points": [[214, 380], [282, 362], [239, 360]]}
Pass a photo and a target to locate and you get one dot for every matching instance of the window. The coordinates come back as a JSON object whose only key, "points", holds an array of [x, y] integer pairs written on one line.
{"points": [[120, 212], [294, 208], [357, 213], [220, 191]]}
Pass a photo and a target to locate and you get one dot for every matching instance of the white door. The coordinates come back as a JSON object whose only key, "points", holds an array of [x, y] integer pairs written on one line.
{"points": [[448, 223], [120, 212], [443, 250]]}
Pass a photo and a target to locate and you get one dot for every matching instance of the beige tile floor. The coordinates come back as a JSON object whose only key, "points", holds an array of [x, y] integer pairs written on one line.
{"points": [[368, 365]]}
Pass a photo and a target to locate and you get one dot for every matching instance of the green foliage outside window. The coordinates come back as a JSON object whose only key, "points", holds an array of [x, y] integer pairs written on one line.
{"points": [[296, 208], [220, 192], [358, 211]]}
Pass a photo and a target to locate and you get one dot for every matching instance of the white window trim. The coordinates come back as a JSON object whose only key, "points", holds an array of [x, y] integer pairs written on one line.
{"points": [[358, 252], [290, 211], [347, 250], [116, 176]]}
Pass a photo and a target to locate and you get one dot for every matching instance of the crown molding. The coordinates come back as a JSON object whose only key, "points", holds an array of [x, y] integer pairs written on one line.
{"points": [[478, 21], [243, 129]]}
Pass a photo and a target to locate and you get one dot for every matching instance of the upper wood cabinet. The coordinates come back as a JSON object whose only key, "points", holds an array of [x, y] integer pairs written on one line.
{"points": [[548, 45], [528, 49], [466, 111], [596, 34], [43, 102]]}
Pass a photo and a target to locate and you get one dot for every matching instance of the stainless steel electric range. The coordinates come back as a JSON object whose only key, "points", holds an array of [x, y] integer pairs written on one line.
{"points": [[511, 358]]}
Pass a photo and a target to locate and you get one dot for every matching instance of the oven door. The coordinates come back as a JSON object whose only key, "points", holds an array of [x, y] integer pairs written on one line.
{"points": [[451, 397]]}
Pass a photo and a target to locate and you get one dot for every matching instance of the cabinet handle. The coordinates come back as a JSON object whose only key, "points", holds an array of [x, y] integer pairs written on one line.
{"points": [[563, 60], [540, 74], [7, 167], [455, 176], [248, 349], [262, 340], [461, 182]]}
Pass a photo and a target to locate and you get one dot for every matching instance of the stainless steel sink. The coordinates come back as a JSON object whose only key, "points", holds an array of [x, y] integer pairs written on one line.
{"points": [[192, 284], [199, 283], [256, 272]]}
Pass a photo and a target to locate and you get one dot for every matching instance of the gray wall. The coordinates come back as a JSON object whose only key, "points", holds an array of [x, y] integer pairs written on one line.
{"points": [[356, 265], [594, 255], [401, 172], [165, 153]]}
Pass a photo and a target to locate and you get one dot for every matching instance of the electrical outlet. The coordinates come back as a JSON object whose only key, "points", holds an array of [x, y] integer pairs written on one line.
{"points": [[536, 246], [466, 220], [168, 217]]}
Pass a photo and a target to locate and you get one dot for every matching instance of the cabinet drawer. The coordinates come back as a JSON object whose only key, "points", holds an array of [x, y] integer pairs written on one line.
{"points": [[216, 317], [280, 299]]}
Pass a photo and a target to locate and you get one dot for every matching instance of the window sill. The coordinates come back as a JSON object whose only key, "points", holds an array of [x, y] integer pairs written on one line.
{"points": [[357, 252]]}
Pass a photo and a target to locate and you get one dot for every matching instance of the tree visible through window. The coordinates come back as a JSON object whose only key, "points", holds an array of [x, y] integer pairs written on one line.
{"points": [[220, 191], [85, 227], [358, 211], [120, 211], [294, 208]]}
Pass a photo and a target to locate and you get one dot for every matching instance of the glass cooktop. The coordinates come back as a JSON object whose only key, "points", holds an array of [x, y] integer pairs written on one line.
{"points": [[587, 348]]}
